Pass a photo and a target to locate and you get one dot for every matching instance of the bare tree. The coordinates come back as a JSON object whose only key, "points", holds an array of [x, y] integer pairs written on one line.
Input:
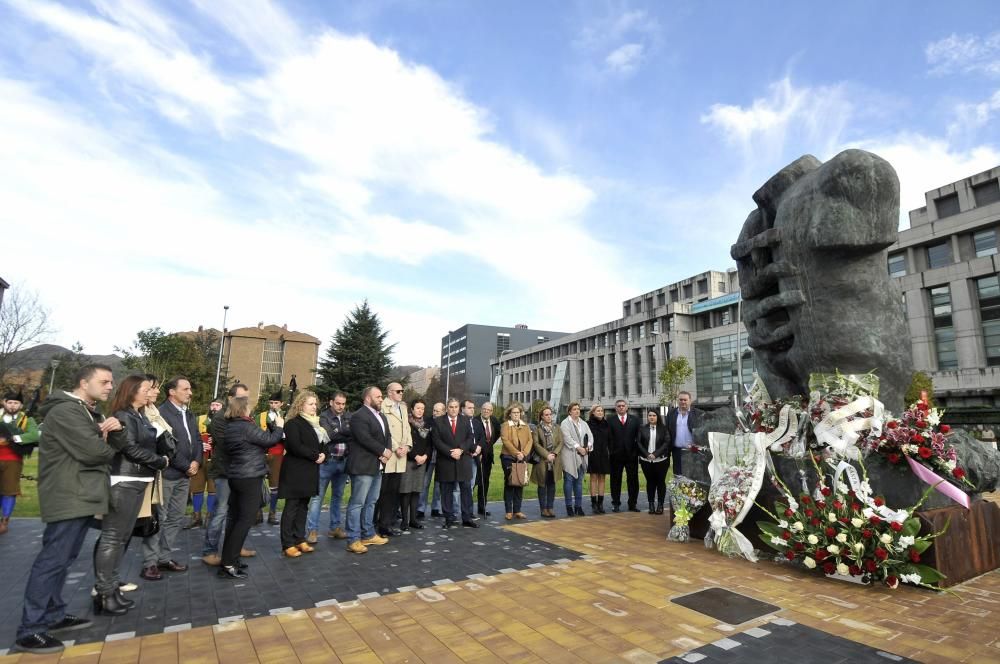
{"points": [[24, 321]]}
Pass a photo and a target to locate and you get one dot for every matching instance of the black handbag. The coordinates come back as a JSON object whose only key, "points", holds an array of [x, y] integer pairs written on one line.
{"points": [[147, 526]]}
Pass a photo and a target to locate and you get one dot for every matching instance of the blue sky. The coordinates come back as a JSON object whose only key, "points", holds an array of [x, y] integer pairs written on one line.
{"points": [[453, 162]]}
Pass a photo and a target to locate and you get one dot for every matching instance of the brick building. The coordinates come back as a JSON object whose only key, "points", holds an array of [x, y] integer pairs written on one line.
{"points": [[257, 355]]}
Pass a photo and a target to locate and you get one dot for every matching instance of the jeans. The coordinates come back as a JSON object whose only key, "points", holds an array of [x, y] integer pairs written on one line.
{"points": [[116, 529], [464, 490], [676, 454], [157, 548], [293, 522], [244, 502], [547, 492], [43, 602], [512, 495], [428, 479], [361, 507], [630, 465], [333, 471], [217, 526], [573, 490]]}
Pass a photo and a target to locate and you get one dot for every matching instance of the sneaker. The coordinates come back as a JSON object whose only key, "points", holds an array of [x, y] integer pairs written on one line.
{"points": [[337, 533], [312, 537], [357, 547], [69, 623], [375, 540], [39, 642], [212, 559]]}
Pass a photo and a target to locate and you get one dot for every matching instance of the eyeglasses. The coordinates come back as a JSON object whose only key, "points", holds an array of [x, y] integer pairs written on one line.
{"points": [[397, 391]]}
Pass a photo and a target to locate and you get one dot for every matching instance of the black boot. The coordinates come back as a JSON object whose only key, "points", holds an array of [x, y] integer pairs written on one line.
{"points": [[600, 505], [570, 512], [127, 603], [109, 605], [593, 504]]}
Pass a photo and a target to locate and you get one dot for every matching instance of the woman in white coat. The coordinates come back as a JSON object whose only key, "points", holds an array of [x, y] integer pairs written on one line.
{"points": [[578, 441]]}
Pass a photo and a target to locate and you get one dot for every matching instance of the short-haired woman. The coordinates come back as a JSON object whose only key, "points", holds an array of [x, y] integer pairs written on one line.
{"points": [[578, 441], [654, 458], [246, 446], [305, 451], [547, 473], [515, 436], [599, 459]]}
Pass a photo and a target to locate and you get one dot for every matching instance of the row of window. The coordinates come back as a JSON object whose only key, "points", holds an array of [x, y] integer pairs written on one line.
{"points": [[605, 340], [676, 294], [983, 194], [988, 295], [940, 255], [271, 363]]}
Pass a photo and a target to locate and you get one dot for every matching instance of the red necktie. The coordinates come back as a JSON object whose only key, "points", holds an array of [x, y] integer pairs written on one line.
{"points": [[623, 419], [487, 430], [453, 427]]}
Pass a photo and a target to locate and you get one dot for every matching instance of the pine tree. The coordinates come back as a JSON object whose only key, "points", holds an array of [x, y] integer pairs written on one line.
{"points": [[357, 357]]}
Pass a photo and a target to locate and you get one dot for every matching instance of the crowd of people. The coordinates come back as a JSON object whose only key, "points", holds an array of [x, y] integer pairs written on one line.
{"points": [[134, 472]]}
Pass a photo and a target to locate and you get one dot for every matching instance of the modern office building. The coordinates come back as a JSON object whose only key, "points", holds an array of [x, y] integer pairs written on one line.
{"points": [[466, 354], [947, 265], [696, 318]]}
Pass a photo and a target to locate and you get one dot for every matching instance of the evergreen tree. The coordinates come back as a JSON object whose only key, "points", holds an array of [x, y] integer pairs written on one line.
{"points": [[358, 356]]}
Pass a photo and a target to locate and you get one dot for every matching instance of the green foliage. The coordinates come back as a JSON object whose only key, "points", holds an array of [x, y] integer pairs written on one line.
{"points": [[269, 387], [919, 383], [358, 356], [675, 373], [536, 409], [168, 355], [69, 364]]}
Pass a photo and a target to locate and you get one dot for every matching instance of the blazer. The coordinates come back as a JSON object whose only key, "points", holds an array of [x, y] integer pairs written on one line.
{"points": [[188, 447], [695, 418], [299, 476], [662, 442], [488, 442], [624, 437], [448, 469], [399, 431], [368, 442]]}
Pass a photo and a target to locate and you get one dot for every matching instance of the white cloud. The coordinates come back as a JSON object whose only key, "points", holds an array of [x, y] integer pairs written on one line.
{"points": [[965, 54], [625, 59], [622, 39]]}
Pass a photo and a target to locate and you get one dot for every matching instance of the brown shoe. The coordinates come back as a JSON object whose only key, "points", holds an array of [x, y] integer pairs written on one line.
{"points": [[337, 533], [357, 547], [304, 547], [292, 552], [151, 573], [247, 553], [212, 560], [520, 515], [3, 525], [312, 537], [194, 522], [375, 540], [508, 516], [172, 566], [272, 518]]}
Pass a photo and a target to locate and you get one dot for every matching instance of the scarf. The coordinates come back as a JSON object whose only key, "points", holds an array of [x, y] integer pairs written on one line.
{"points": [[420, 425], [550, 444], [321, 433], [153, 415]]}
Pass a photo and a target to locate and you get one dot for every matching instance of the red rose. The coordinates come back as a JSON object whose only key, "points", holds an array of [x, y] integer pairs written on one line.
{"points": [[870, 565], [814, 521], [805, 500], [866, 533], [825, 491], [855, 570], [837, 505], [808, 512], [789, 512], [851, 493], [914, 556], [820, 554], [925, 452], [891, 581], [790, 555], [896, 525], [893, 458], [958, 473], [830, 532], [829, 568], [874, 519], [881, 553], [921, 424], [821, 504], [879, 501], [843, 519], [892, 424], [916, 438], [924, 406], [799, 546], [856, 507], [945, 428], [786, 536]]}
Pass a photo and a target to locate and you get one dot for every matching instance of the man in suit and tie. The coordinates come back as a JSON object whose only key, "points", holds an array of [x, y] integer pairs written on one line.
{"points": [[488, 433], [370, 448], [681, 423], [454, 441], [624, 456]]}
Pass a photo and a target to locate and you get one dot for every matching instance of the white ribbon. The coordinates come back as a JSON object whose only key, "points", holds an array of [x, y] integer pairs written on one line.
{"points": [[863, 491], [720, 444], [784, 432], [841, 434]]}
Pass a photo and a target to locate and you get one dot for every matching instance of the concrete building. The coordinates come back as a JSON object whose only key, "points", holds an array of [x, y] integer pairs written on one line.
{"points": [[3, 287], [268, 353], [466, 354], [695, 318], [947, 265], [419, 380]]}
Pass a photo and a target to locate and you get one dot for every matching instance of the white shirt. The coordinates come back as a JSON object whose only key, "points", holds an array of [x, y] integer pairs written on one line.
{"points": [[652, 440], [378, 416]]}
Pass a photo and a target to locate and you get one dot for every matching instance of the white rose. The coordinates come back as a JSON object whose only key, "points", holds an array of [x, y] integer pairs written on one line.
{"points": [[886, 538], [843, 569], [834, 549], [859, 547], [906, 541], [842, 538], [831, 517], [933, 418], [783, 524], [812, 539], [842, 488], [910, 578], [798, 526], [809, 562], [857, 523]]}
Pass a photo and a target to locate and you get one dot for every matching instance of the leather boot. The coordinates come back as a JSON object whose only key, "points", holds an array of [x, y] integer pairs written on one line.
{"points": [[109, 605], [124, 601], [600, 505], [593, 504]]}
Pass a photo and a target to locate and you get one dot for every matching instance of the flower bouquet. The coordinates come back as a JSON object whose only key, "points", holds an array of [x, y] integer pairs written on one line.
{"points": [[686, 498], [737, 471]]}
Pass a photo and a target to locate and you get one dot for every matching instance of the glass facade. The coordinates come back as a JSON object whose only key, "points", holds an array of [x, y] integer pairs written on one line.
{"points": [[944, 331], [270, 366], [988, 289], [715, 362], [986, 242], [897, 265]]}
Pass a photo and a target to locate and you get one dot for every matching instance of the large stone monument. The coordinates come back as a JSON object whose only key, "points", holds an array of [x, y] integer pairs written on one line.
{"points": [[813, 273]]}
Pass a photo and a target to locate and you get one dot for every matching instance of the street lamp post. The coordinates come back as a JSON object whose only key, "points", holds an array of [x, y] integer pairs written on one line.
{"points": [[447, 375], [222, 342], [52, 381]]}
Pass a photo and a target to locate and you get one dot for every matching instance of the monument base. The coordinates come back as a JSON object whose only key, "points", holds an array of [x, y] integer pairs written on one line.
{"points": [[970, 546]]}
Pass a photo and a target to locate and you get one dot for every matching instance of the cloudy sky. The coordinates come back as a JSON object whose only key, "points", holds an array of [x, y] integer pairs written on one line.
{"points": [[451, 161]]}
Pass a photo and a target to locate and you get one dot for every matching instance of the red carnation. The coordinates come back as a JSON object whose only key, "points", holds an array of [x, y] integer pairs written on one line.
{"points": [[921, 424], [881, 553], [914, 556], [916, 438], [891, 581], [825, 491], [830, 532], [809, 512], [945, 428], [866, 533], [870, 565], [879, 501], [814, 521], [894, 458], [829, 568], [790, 555], [896, 525], [925, 452], [805, 500], [820, 554], [837, 505], [789, 512], [958, 473], [855, 570], [874, 519], [786, 536], [892, 424], [856, 507], [799, 546]]}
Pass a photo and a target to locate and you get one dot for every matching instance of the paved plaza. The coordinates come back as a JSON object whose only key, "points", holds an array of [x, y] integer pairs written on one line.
{"points": [[594, 589]]}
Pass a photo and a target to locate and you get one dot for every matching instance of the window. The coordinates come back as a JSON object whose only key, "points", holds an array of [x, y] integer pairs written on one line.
{"points": [[986, 242], [661, 299], [938, 255], [674, 296], [702, 286], [628, 310], [989, 312], [642, 330], [944, 332], [503, 342], [638, 307], [947, 206], [656, 326], [628, 334], [715, 362], [897, 265], [542, 340], [986, 193], [687, 291], [270, 365], [726, 317]]}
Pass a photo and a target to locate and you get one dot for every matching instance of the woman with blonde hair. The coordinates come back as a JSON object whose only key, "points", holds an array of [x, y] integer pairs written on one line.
{"points": [[599, 459], [515, 437], [305, 451], [547, 473]]}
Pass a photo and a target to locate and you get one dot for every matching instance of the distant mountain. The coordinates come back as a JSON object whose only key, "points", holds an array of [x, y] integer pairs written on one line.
{"points": [[38, 359]]}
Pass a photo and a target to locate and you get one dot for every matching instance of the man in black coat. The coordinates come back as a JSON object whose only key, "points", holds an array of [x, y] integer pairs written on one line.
{"points": [[624, 456], [369, 449], [487, 434], [453, 439], [682, 437]]}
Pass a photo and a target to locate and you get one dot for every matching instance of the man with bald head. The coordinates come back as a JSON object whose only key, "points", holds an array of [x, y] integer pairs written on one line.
{"points": [[399, 429]]}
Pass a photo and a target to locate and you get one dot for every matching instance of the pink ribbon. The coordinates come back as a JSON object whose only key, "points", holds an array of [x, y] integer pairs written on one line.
{"points": [[939, 483]]}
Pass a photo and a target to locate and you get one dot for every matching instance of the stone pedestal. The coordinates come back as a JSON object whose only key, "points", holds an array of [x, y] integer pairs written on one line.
{"points": [[970, 546]]}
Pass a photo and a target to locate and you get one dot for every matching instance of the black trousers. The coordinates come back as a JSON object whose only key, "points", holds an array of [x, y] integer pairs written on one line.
{"points": [[631, 467], [116, 530], [484, 483], [388, 500], [656, 481], [408, 508], [293, 522], [451, 510], [244, 501], [512, 495]]}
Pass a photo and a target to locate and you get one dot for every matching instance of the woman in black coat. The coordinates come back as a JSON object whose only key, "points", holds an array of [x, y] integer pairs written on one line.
{"points": [[246, 446], [599, 459], [305, 451]]}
